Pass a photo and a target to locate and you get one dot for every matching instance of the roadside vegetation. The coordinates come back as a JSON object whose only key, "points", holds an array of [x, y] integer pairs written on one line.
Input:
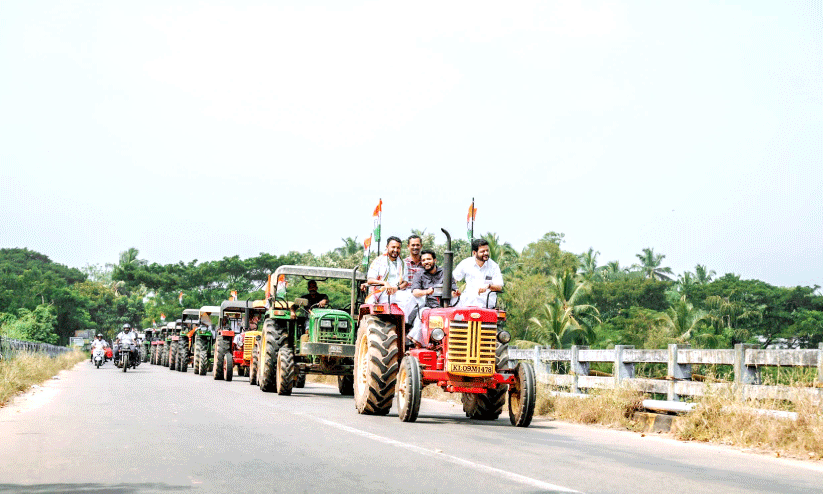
{"points": [[27, 369]]}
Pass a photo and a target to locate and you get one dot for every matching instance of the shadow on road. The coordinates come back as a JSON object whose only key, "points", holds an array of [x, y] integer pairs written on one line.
{"points": [[107, 488]]}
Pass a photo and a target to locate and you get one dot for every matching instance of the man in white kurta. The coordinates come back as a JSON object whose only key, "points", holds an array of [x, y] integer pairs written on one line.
{"points": [[387, 277], [482, 276]]}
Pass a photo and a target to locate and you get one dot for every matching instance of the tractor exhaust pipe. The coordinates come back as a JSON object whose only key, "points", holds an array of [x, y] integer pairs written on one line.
{"points": [[448, 262]]}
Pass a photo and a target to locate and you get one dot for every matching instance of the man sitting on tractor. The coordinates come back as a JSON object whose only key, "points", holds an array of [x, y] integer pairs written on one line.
{"points": [[387, 277], [482, 275], [314, 298], [422, 287]]}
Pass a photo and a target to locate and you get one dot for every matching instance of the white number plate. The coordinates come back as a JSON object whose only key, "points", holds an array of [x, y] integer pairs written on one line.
{"points": [[335, 349]]}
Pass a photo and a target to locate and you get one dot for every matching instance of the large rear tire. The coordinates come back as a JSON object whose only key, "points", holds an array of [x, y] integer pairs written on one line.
{"points": [[522, 395], [345, 384], [375, 366], [228, 367], [486, 406], [255, 362], [173, 355], [202, 367], [183, 354], [408, 389], [219, 358], [285, 371], [268, 357]]}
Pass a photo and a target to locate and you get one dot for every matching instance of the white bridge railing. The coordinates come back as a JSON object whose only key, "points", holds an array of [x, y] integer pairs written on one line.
{"points": [[746, 360]]}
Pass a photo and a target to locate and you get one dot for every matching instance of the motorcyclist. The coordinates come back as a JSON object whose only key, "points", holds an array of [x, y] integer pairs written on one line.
{"points": [[98, 344], [125, 340]]}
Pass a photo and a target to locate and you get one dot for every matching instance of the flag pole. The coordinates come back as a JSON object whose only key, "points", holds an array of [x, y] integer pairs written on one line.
{"points": [[472, 235], [379, 225]]}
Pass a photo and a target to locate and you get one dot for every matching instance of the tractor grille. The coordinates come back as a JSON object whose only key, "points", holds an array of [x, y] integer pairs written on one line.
{"points": [[333, 337], [248, 343], [472, 348]]}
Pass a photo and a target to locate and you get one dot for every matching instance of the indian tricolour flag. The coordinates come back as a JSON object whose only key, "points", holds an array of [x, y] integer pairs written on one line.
{"points": [[378, 214], [470, 221], [366, 251], [180, 298], [234, 295], [281, 285]]}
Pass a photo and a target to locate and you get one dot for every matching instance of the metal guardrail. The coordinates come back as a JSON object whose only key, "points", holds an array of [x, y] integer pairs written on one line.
{"points": [[746, 361], [9, 348]]}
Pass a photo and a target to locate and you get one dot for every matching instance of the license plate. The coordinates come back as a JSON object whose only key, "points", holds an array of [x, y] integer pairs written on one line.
{"points": [[335, 349], [472, 368]]}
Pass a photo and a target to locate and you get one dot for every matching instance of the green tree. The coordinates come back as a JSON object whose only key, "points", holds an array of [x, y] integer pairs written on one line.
{"points": [[650, 265], [564, 319], [588, 264]]}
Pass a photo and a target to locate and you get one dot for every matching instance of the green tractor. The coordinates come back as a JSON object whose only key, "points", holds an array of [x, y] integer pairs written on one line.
{"points": [[195, 344], [145, 343], [190, 319], [172, 329], [299, 340], [158, 341]]}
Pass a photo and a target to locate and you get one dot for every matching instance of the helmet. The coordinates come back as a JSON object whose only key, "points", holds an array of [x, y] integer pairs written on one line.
{"points": [[99, 335], [127, 326]]}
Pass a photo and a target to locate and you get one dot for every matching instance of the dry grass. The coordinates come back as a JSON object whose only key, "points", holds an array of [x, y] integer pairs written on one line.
{"points": [[609, 407], [19, 373], [719, 418]]}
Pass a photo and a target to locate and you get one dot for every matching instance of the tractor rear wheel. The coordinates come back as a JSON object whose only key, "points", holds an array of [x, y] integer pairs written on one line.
{"points": [[268, 357], [345, 384], [219, 358], [255, 362], [285, 371], [408, 389], [228, 367], [173, 355], [183, 354], [485, 406], [196, 361], [375, 366], [522, 395]]}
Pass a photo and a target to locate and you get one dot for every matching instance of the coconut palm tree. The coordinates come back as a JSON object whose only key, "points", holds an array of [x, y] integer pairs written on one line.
{"points": [[350, 247], [501, 252], [702, 276], [564, 320], [588, 264], [650, 265], [683, 320]]}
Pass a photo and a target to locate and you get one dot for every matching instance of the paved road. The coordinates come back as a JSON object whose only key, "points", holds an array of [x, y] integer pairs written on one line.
{"points": [[154, 430]]}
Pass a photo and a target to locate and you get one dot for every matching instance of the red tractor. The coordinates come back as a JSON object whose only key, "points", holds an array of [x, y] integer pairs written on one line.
{"points": [[468, 354]]}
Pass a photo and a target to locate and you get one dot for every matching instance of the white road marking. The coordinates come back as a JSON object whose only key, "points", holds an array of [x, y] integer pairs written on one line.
{"points": [[539, 484]]}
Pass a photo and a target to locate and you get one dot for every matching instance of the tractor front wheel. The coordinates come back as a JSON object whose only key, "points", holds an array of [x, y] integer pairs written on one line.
{"points": [[408, 389], [375, 366], [203, 358], [228, 367], [255, 359], [522, 395], [220, 351], [285, 371], [183, 354]]}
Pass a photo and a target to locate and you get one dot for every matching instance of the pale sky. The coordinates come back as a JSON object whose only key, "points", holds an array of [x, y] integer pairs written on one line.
{"points": [[198, 130]]}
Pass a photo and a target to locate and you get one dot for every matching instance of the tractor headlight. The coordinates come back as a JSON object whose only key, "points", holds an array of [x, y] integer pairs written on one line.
{"points": [[504, 337], [343, 324], [437, 335], [325, 323]]}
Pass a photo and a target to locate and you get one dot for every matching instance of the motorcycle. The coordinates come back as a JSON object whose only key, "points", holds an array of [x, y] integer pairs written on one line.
{"points": [[98, 357], [128, 357]]}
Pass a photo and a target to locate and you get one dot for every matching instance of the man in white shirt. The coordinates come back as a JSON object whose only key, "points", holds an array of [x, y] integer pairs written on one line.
{"points": [[387, 277], [482, 276], [98, 344], [125, 339]]}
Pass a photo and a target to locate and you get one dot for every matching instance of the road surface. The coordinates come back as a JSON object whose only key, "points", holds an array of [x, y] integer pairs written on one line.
{"points": [[154, 430]]}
